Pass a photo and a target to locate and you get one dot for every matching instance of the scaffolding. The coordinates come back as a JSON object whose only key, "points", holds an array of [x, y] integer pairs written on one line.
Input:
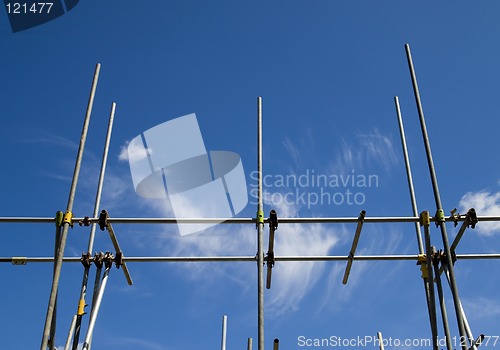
{"points": [[433, 263]]}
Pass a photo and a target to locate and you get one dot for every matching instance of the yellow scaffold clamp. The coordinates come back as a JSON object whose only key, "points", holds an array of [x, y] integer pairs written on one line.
{"points": [[422, 261], [68, 218], [81, 307], [425, 219], [19, 260]]}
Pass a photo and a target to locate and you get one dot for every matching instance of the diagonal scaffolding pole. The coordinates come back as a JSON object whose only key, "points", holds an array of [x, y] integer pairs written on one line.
{"points": [[119, 253], [273, 226], [67, 220], [473, 343], [99, 261], [354, 245], [260, 232], [439, 208], [52, 336], [86, 263], [427, 283]]}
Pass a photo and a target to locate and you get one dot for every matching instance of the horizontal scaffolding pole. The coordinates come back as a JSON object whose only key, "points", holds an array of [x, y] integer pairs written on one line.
{"points": [[25, 260], [325, 220]]}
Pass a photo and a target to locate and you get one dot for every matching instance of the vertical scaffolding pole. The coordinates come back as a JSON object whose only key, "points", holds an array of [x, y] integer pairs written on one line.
{"points": [[260, 231], [444, 314], [409, 176], [428, 284], [67, 220], [83, 290], [380, 341], [439, 209], [430, 278], [224, 332]]}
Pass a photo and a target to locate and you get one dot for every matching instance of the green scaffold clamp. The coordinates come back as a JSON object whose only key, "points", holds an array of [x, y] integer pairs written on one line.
{"points": [[440, 217], [260, 217]]}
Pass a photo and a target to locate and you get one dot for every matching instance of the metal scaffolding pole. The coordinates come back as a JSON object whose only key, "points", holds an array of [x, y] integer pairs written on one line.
{"points": [[409, 176], [225, 221], [260, 232], [198, 259], [70, 333], [380, 341], [96, 305], [119, 253], [473, 343], [354, 246], [52, 336], [224, 332], [427, 283], [99, 261], [437, 198], [432, 298], [273, 226], [67, 222], [444, 314], [83, 290]]}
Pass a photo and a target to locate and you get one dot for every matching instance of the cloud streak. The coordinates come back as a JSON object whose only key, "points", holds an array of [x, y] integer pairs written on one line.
{"points": [[367, 149]]}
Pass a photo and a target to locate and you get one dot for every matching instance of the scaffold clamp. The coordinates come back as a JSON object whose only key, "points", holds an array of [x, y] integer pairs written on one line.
{"points": [[68, 218], [440, 217], [471, 218], [86, 260], [425, 219], [85, 221], [422, 261], [455, 215], [103, 220], [59, 218], [260, 218], [119, 259]]}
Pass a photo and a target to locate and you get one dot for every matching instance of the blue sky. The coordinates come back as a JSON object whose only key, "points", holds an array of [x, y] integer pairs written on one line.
{"points": [[327, 72]]}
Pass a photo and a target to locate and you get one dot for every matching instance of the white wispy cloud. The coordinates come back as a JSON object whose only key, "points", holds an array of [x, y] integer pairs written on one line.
{"points": [[371, 148], [293, 280], [481, 308], [486, 204], [52, 139], [292, 150], [378, 241]]}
